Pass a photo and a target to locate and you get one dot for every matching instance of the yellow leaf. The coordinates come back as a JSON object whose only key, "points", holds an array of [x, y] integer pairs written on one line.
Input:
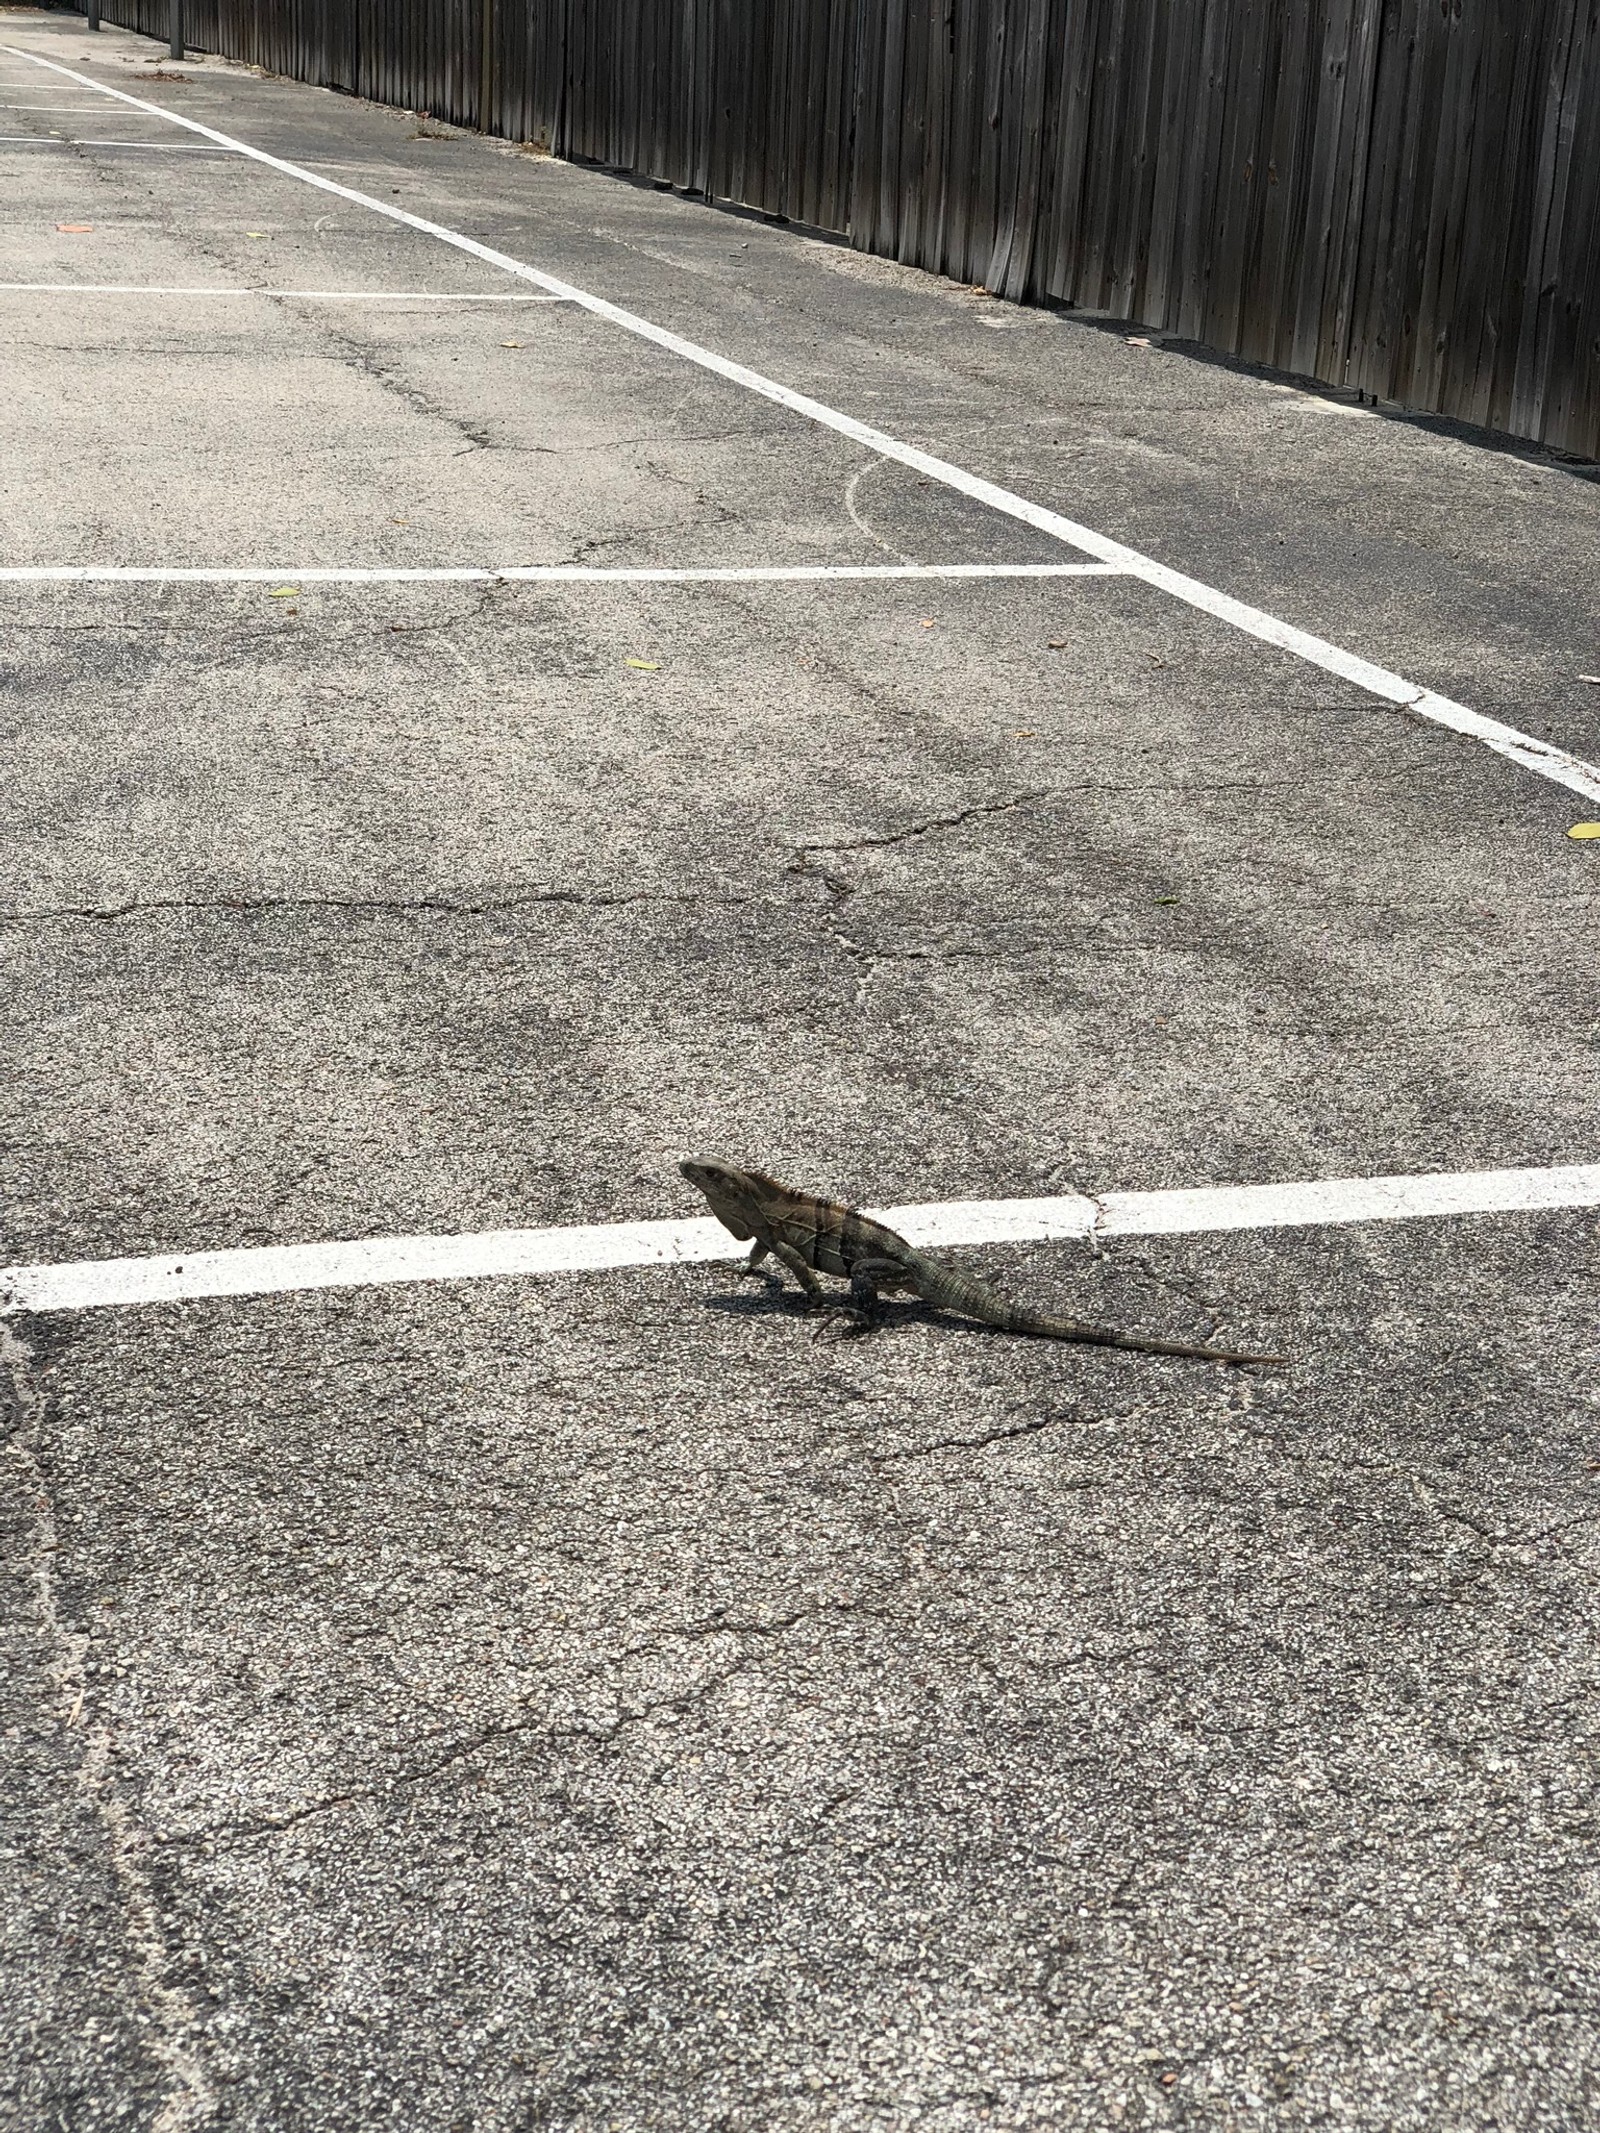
{"points": [[1584, 829], [284, 592], [645, 666]]}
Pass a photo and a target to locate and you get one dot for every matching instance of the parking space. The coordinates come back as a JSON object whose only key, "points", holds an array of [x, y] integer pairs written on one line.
{"points": [[588, 1700]]}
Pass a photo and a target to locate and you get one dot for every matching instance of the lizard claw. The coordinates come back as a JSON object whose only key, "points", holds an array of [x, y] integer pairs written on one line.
{"points": [[844, 1324], [772, 1282]]}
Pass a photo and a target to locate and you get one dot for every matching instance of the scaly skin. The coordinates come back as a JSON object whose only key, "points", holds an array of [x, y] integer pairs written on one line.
{"points": [[811, 1236]]}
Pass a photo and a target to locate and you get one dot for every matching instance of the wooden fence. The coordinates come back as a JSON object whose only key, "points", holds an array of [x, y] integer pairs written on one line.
{"points": [[1400, 196]]}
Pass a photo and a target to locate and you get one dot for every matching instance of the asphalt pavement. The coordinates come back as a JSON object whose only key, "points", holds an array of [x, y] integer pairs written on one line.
{"points": [[594, 1701]]}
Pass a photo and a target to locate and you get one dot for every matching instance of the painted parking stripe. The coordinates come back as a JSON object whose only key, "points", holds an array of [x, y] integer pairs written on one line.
{"points": [[169, 148], [369, 1262], [1521, 748], [538, 574], [318, 296]]}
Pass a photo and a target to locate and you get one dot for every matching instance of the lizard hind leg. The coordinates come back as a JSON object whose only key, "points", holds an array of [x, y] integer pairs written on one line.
{"points": [[866, 1305], [862, 1310]]}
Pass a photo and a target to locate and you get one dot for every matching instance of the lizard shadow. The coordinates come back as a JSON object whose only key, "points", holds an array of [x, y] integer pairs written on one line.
{"points": [[781, 1301]]}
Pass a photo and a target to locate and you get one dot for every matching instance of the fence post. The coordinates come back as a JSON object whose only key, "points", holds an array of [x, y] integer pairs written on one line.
{"points": [[92, 13], [175, 11]]}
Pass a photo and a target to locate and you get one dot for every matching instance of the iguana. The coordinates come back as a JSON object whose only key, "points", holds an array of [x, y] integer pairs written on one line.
{"points": [[811, 1236]]}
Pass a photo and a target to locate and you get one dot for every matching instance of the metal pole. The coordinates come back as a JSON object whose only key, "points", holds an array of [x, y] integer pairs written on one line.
{"points": [[92, 11], [176, 7]]}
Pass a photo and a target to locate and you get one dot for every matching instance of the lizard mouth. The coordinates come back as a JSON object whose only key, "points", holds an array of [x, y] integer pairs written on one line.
{"points": [[704, 1173], [725, 1193]]}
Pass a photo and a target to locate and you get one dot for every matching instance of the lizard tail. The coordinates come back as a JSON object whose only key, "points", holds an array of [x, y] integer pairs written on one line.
{"points": [[958, 1292], [1067, 1329]]}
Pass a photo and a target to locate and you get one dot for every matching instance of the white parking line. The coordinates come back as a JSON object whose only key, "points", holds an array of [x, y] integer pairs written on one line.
{"points": [[1524, 749], [273, 1269], [319, 296], [539, 574], [169, 148]]}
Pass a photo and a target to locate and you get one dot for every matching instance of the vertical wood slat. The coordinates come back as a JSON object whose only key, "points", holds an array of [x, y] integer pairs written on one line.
{"points": [[911, 204], [1553, 151], [1284, 177], [1509, 240], [1178, 54], [1572, 379], [1403, 195]]}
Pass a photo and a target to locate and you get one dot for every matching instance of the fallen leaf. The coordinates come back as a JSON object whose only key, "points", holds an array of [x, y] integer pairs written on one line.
{"points": [[510, 344], [645, 666], [255, 233], [399, 522], [1024, 733], [1137, 340], [284, 592], [1595, 678], [927, 622], [75, 229], [1168, 899], [1584, 829], [1058, 644]]}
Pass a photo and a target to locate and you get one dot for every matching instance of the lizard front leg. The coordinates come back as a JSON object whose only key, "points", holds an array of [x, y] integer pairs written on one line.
{"points": [[754, 1270], [805, 1275]]}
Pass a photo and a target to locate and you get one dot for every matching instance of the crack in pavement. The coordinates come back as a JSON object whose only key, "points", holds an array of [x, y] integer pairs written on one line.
{"points": [[190, 2098], [365, 361], [460, 1752], [1031, 1428], [434, 905], [778, 1626], [1520, 1545], [912, 830], [473, 613], [602, 1733], [1183, 1285], [840, 889]]}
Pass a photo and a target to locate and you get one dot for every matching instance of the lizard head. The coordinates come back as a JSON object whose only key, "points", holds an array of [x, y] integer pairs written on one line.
{"points": [[727, 1190]]}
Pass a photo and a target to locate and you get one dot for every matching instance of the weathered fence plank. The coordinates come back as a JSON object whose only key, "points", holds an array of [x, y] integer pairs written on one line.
{"points": [[1401, 196]]}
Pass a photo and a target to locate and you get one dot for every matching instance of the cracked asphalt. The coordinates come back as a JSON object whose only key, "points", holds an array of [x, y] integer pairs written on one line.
{"points": [[592, 1702]]}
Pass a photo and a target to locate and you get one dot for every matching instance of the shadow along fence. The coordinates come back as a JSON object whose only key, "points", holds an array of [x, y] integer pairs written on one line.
{"points": [[1396, 196]]}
